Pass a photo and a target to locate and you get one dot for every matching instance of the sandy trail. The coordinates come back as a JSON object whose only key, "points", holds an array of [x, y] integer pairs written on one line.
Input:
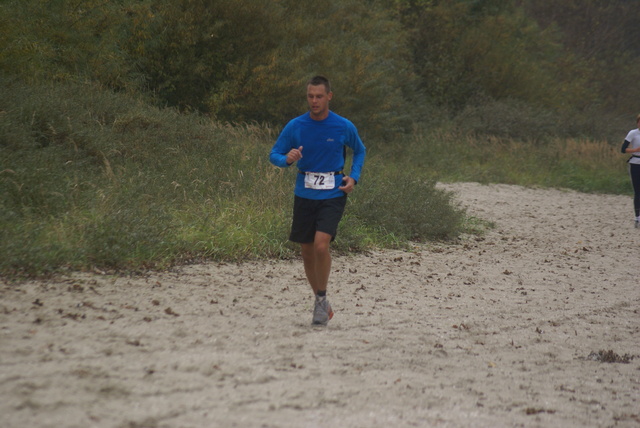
{"points": [[502, 330]]}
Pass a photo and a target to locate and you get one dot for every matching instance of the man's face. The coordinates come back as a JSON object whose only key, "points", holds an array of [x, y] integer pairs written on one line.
{"points": [[318, 100]]}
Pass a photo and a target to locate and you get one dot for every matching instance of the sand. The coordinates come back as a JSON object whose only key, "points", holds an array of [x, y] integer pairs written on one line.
{"points": [[534, 324]]}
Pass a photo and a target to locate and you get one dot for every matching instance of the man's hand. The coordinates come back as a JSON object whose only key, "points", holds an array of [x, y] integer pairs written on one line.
{"points": [[348, 184], [294, 155]]}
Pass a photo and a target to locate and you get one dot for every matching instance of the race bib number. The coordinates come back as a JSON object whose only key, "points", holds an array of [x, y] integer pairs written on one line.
{"points": [[319, 180]]}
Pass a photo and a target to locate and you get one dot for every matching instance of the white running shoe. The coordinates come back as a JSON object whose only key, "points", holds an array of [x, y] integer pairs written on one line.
{"points": [[322, 311]]}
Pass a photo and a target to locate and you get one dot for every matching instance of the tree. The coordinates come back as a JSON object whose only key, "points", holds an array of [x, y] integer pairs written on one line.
{"points": [[62, 40], [465, 49], [602, 36]]}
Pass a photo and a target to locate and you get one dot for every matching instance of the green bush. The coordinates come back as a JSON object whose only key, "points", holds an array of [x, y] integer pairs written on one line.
{"points": [[405, 204]]}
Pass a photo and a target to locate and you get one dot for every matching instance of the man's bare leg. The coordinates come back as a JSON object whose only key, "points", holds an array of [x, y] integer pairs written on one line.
{"points": [[317, 266], [317, 261]]}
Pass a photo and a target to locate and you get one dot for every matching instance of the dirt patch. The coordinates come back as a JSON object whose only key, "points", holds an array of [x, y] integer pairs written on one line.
{"points": [[490, 331]]}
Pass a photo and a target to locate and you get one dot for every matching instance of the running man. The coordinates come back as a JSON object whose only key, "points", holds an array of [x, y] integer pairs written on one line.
{"points": [[631, 145], [317, 141]]}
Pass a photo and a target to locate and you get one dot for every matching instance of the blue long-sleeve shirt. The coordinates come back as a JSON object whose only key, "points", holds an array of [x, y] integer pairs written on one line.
{"points": [[324, 144]]}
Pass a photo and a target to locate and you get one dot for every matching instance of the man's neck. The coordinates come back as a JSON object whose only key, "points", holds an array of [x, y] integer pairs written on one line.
{"points": [[319, 117]]}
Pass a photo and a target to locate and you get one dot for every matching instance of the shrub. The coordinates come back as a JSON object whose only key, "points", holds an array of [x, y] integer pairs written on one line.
{"points": [[407, 205]]}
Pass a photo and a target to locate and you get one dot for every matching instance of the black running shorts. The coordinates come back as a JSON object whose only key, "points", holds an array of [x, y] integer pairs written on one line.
{"points": [[311, 216]]}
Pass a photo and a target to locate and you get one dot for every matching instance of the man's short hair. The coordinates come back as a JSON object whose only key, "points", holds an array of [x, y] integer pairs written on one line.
{"points": [[320, 80]]}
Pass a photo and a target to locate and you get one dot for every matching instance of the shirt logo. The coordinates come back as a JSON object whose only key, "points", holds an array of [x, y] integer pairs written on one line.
{"points": [[330, 140]]}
